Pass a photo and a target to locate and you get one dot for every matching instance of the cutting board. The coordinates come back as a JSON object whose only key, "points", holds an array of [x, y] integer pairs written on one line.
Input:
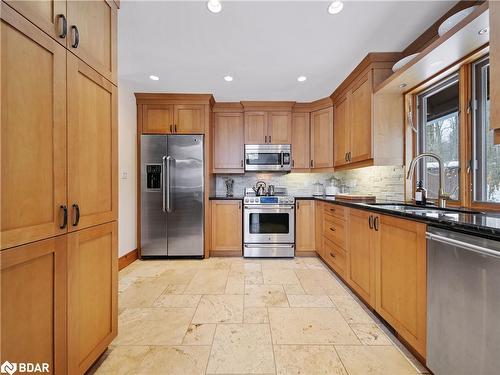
{"points": [[356, 197]]}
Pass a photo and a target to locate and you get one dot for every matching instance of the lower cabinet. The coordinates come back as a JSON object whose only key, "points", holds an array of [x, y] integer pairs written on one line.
{"points": [[304, 224], [318, 227], [33, 304], [92, 294], [400, 278], [227, 232]]}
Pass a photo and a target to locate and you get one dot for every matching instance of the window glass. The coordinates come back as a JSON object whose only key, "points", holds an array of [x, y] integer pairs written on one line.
{"points": [[486, 156], [438, 133]]}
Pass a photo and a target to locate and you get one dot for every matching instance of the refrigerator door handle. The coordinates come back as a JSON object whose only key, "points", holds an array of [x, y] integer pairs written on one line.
{"points": [[169, 205], [163, 159]]}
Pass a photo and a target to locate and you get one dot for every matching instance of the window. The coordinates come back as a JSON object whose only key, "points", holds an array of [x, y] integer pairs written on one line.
{"points": [[485, 155], [439, 133]]}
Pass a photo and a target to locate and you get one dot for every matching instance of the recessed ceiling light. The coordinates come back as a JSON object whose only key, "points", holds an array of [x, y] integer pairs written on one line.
{"points": [[154, 78], [336, 7], [483, 31], [301, 78], [403, 85], [228, 78], [214, 6]]}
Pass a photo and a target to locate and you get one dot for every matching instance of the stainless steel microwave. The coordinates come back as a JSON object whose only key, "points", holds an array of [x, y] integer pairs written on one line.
{"points": [[268, 158]]}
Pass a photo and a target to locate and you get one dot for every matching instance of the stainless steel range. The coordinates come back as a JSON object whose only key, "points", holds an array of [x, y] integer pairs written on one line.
{"points": [[269, 225]]}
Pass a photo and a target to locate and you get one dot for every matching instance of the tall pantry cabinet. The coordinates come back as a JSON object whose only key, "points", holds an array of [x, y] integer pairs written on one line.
{"points": [[58, 187]]}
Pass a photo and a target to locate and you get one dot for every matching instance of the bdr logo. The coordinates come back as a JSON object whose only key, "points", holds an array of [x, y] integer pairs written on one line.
{"points": [[23, 367]]}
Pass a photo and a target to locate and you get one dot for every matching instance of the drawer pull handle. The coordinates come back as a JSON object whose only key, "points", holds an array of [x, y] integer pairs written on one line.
{"points": [[332, 255], [332, 229], [332, 209]]}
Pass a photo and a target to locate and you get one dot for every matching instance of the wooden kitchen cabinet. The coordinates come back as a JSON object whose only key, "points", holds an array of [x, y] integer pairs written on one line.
{"points": [[361, 255], [173, 118], [255, 128], [341, 132], [318, 227], [279, 128], [157, 119], [33, 132], [322, 138], [360, 123], [92, 35], [189, 119], [33, 303], [267, 126], [494, 9], [229, 141], [301, 156], [227, 231], [400, 274], [304, 224], [92, 294], [92, 147]]}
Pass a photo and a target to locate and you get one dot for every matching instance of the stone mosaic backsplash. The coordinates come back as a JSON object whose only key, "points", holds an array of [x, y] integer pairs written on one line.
{"points": [[383, 182]]}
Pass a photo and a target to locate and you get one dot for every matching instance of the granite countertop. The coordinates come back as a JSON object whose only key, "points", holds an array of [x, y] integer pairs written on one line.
{"points": [[471, 222], [226, 198]]}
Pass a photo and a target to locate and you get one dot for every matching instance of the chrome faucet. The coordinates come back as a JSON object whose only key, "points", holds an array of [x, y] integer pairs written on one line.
{"points": [[442, 196]]}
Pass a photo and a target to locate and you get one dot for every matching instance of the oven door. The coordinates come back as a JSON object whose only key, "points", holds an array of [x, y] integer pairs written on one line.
{"points": [[267, 158], [269, 224]]}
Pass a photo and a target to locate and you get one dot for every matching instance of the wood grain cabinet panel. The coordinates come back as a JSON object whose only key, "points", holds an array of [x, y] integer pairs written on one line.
{"points": [[33, 304], [255, 128], [189, 119], [361, 121], [227, 222], [33, 132], [361, 270], [92, 294], [401, 278], [92, 147], [46, 14], [322, 138], [157, 119], [341, 132], [301, 156], [318, 227], [229, 141], [304, 224], [335, 256], [93, 24], [279, 129]]}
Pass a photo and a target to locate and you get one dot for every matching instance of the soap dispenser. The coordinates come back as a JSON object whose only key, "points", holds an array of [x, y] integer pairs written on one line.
{"points": [[420, 194]]}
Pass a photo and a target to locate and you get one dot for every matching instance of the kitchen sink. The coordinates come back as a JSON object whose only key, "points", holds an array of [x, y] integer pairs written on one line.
{"points": [[412, 209]]}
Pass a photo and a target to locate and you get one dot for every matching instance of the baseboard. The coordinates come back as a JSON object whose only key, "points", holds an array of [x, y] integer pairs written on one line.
{"points": [[128, 258], [226, 253], [306, 254]]}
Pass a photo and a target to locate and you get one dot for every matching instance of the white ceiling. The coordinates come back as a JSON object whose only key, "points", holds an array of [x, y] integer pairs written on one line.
{"points": [[265, 45]]}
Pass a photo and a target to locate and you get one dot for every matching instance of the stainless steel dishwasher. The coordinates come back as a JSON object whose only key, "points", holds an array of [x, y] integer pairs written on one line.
{"points": [[463, 304]]}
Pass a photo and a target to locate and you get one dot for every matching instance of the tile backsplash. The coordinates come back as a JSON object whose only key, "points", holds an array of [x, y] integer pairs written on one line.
{"points": [[383, 182]]}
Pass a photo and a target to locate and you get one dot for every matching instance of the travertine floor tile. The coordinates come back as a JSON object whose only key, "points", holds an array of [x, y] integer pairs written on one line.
{"points": [[317, 281], [279, 276], [120, 360], [310, 326], [177, 300], [307, 360], [296, 300], [265, 296], [227, 308], [255, 315], [254, 277], [370, 334], [351, 310], [199, 334], [208, 282], [241, 348], [376, 360], [175, 360], [178, 276], [153, 326], [293, 289], [235, 284], [142, 292]]}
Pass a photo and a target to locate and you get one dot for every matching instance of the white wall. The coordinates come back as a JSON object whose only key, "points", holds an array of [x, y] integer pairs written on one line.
{"points": [[127, 160]]}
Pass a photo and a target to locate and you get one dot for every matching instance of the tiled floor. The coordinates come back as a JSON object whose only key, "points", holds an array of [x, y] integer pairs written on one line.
{"points": [[246, 316]]}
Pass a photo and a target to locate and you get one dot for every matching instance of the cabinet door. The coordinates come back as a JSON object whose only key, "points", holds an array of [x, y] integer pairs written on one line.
{"points": [[279, 130], [322, 138], [157, 119], [189, 119], [46, 14], [361, 269], [341, 133], [401, 278], [92, 294], [227, 220], [92, 147], [494, 9], [255, 128], [229, 140], [304, 222], [361, 121], [33, 132], [33, 304], [318, 230], [300, 141], [92, 34]]}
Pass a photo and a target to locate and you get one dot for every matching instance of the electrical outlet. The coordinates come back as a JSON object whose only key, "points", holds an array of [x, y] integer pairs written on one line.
{"points": [[124, 175]]}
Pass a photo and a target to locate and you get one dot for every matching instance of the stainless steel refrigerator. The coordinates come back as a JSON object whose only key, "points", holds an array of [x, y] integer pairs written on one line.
{"points": [[172, 188]]}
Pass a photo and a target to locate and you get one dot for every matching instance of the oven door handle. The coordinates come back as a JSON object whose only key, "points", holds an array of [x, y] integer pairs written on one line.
{"points": [[269, 207]]}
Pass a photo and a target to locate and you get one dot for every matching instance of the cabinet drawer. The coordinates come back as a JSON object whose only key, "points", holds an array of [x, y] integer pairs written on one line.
{"points": [[334, 256], [336, 210], [334, 229]]}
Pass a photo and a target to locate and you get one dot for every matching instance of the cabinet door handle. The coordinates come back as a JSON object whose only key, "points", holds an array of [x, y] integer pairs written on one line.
{"points": [[345, 156], [298, 206], [171, 128], [175, 128], [76, 215], [349, 157], [239, 206], [269, 139], [241, 163], [332, 255], [293, 163], [64, 28], [65, 216], [311, 163], [375, 223], [370, 222], [265, 139], [76, 36]]}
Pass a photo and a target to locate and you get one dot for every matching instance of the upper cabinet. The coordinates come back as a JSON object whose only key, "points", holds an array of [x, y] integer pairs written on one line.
{"points": [[229, 141], [173, 113], [268, 122], [322, 138], [364, 134], [255, 127], [301, 157], [495, 68], [92, 34], [279, 127]]}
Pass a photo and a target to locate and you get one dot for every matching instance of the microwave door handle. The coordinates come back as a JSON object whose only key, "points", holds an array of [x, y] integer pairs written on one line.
{"points": [[282, 157]]}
